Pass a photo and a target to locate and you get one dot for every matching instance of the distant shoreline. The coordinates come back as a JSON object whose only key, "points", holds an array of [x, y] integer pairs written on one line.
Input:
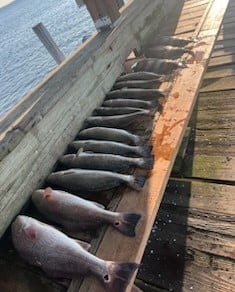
{"points": [[4, 3]]}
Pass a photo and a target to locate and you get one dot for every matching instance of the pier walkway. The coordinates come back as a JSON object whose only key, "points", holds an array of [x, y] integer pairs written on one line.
{"points": [[192, 244]]}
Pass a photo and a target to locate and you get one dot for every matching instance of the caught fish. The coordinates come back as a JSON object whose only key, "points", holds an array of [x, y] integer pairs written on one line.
{"points": [[145, 84], [75, 214], [109, 162], [117, 121], [141, 76], [161, 66], [172, 41], [125, 102], [62, 257], [109, 111], [85, 180], [111, 147], [136, 93], [111, 134], [167, 52]]}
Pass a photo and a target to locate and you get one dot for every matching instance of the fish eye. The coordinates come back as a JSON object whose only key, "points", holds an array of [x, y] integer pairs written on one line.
{"points": [[106, 278], [117, 223]]}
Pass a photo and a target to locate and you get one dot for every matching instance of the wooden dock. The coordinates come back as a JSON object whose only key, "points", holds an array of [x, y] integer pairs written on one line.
{"points": [[191, 246]]}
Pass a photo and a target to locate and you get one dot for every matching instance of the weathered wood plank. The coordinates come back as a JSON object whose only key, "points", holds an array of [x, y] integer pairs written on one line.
{"points": [[189, 5], [223, 51], [223, 60], [181, 242], [219, 84], [192, 10], [225, 36], [211, 155], [210, 167], [224, 44], [83, 88], [195, 195], [222, 71], [167, 135]]}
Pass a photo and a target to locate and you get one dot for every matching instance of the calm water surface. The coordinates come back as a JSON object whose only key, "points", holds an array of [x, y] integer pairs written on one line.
{"points": [[23, 59]]}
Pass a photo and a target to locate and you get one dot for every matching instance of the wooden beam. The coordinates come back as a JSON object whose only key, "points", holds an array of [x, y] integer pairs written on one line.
{"points": [[167, 136], [103, 12]]}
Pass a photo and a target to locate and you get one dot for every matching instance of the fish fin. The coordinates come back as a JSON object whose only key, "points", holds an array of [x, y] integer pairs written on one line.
{"points": [[138, 182], [166, 92], [190, 52], [182, 64], [84, 245], [126, 223], [98, 205], [118, 276], [145, 150], [80, 150], [142, 140], [48, 192], [147, 163], [152, 112]]}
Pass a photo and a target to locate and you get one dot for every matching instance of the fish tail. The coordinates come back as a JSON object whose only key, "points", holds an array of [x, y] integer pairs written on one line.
{"points": [[141, 140], [145, 150], [126, 223], [182, 64], [165, 78], [146, 163], [118, 276], [154, 104], [190, 52], [152, 112], [137, 182]]}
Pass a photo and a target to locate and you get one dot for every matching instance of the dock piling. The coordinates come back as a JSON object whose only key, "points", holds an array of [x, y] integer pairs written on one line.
{"points": [[45, 37]]}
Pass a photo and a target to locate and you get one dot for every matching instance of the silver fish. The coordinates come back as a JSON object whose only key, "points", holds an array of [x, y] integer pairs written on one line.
{"points": [[172, 41], [85, 180], [141, 76], [136, 93], [124, 102], [62, 257], [110, 162], [145, 84], [110, 147], [75, 214], [117, 121], [111, 134], [168, 52], [109, 111], [161, 66]]}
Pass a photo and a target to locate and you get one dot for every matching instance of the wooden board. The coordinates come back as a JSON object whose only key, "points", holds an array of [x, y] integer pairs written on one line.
{"points": [[222, 83], [167, 135], [191, 246], [223, 60], [222, 71]]}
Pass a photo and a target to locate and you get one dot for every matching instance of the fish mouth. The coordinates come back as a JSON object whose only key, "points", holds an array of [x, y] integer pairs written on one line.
{"points": [[21, 222]]}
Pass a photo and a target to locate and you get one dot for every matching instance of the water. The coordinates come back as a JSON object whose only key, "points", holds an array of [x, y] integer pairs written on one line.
{"points": [[23, 59]]}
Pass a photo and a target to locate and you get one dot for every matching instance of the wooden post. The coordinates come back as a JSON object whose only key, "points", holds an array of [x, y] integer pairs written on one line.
{"points": [[103, 12], [48, 42]]}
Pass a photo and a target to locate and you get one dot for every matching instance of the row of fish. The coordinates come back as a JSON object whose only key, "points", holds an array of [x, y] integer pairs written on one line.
{"points": [[100, 160]]}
